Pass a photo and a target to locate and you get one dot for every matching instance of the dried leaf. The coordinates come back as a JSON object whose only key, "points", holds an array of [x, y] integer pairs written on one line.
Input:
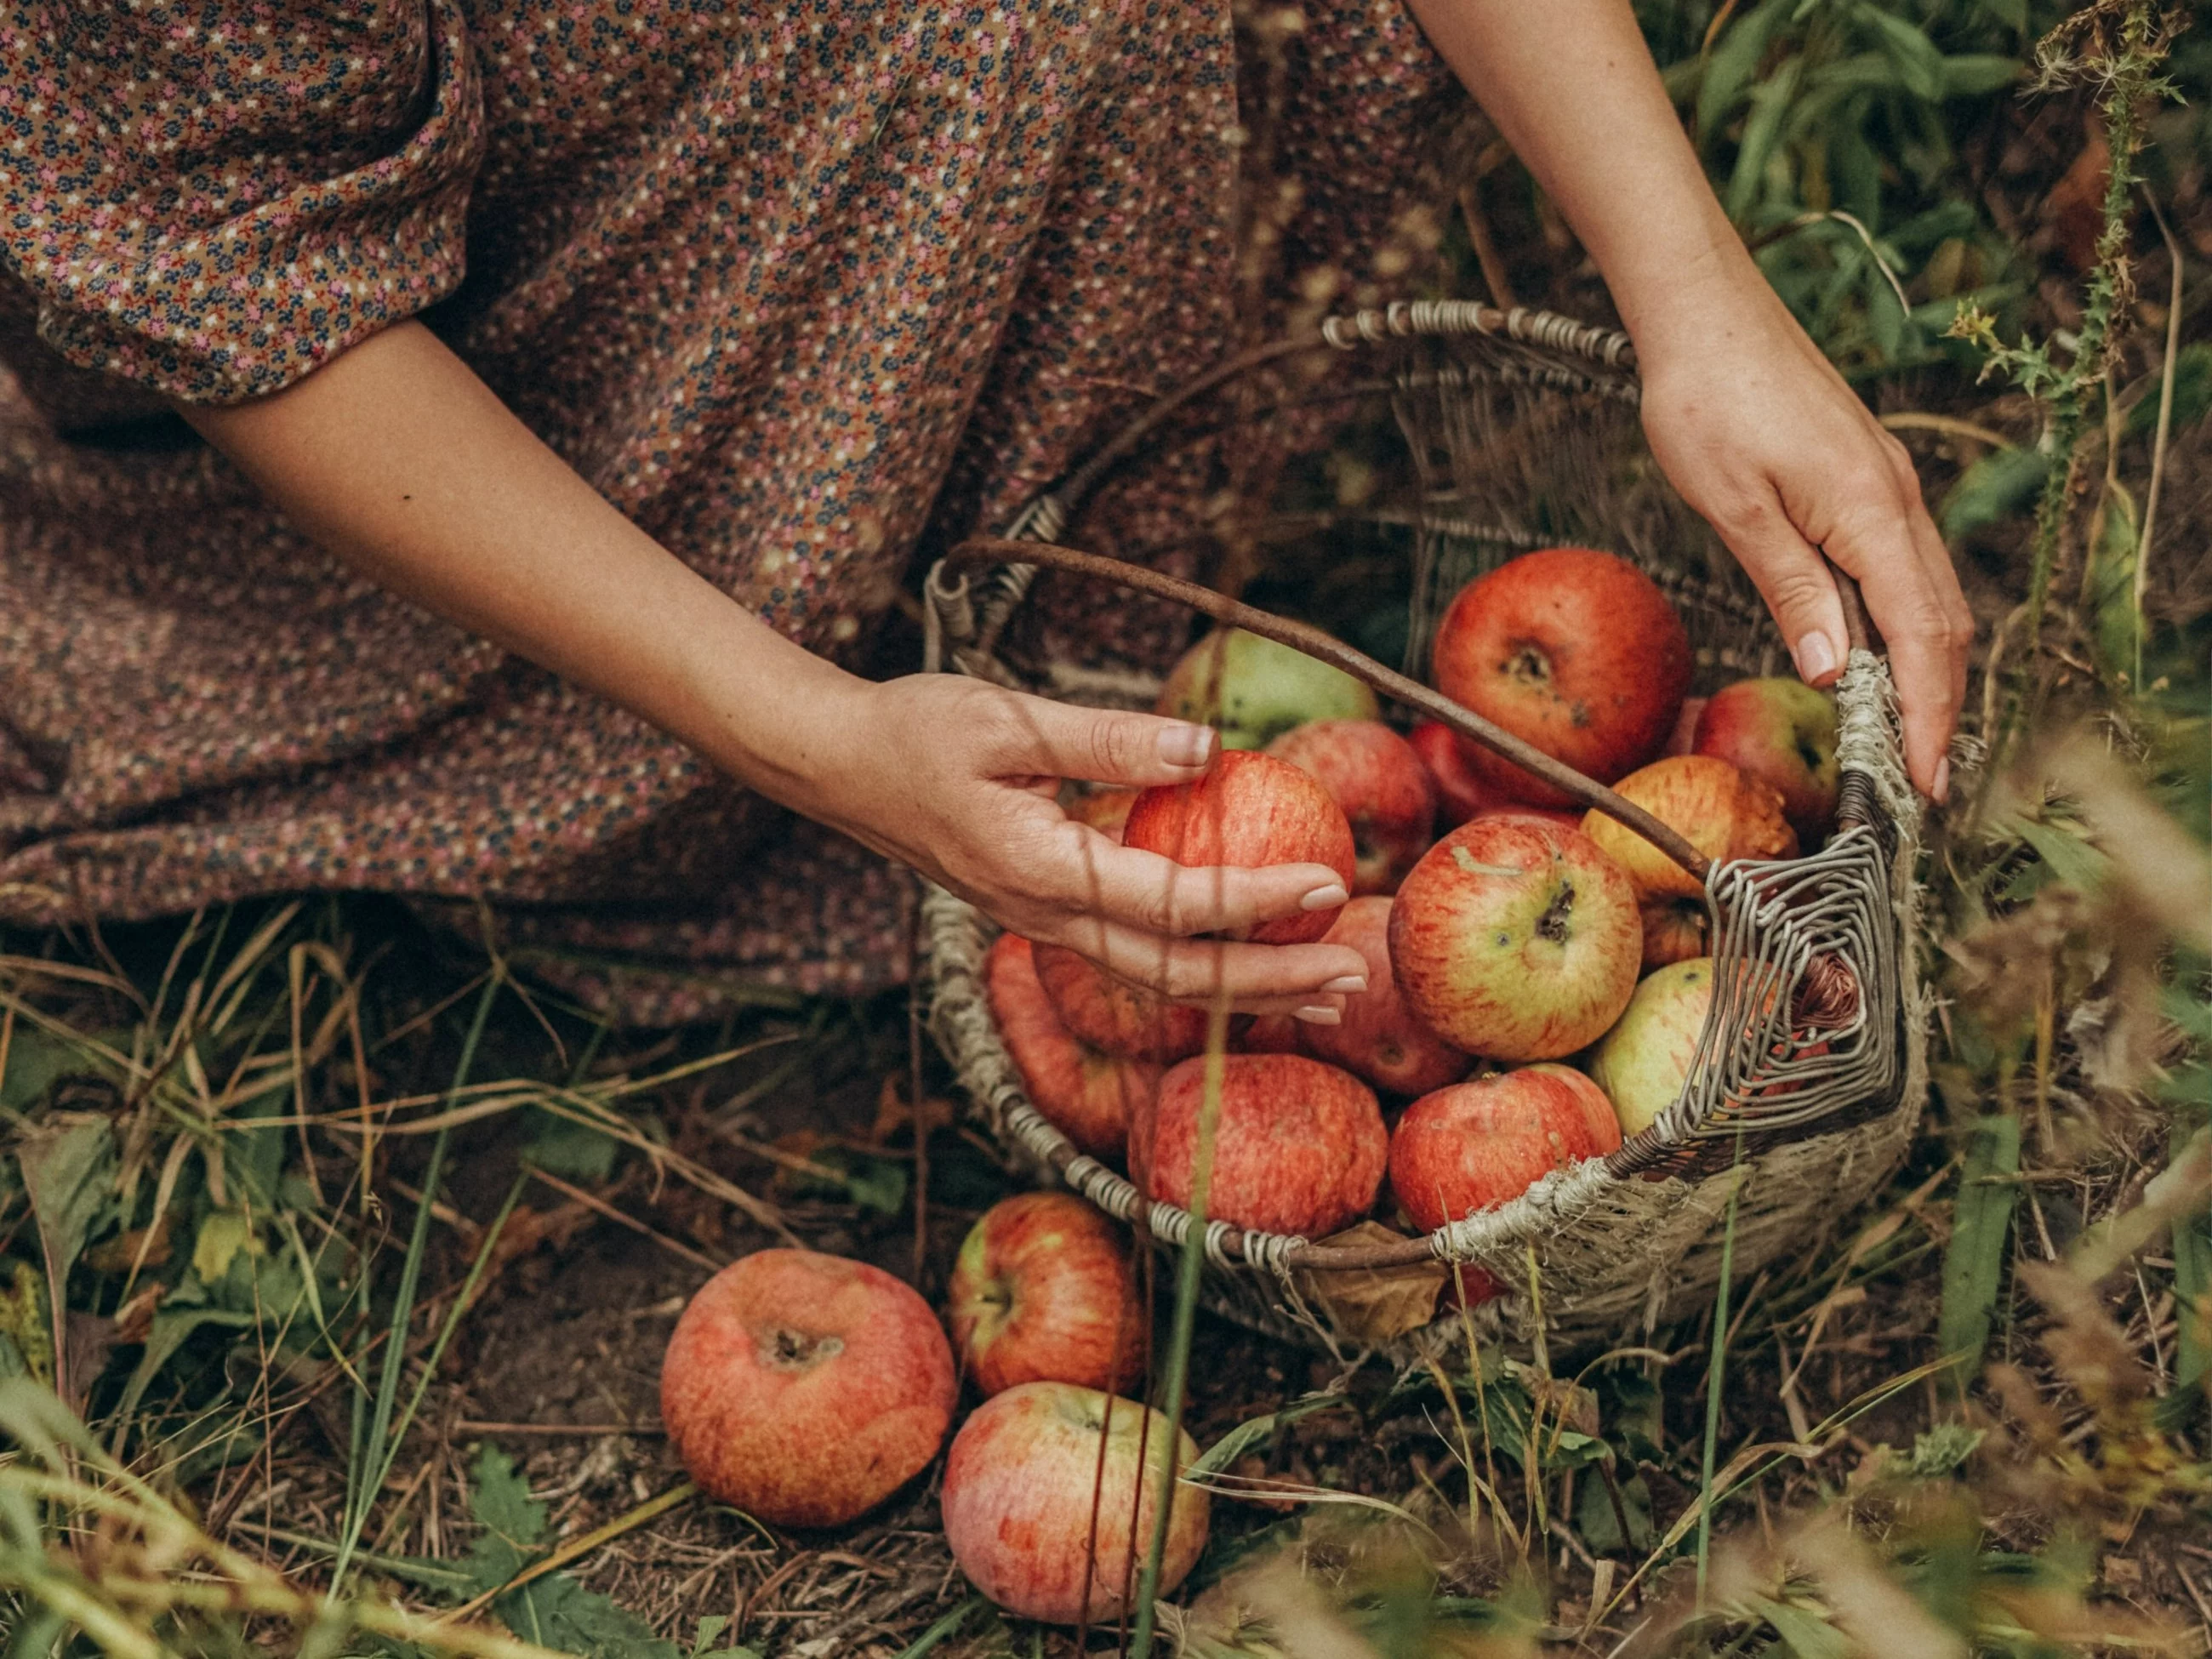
{"points": [[1378, 1304]]}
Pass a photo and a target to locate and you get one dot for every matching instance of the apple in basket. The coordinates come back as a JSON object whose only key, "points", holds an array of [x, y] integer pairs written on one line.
{"points": [[1643, 1062], [1085, 1093], [1675, 928], [1380, 783], [1044, 1289], [1783, 732], [1253, 689], [1516, 941], [1380, 1038], [805, 1389], [1683, 740], [1552, 815], [1573, 650], [1719, 810], [1127, 1021], [1459, 794], [1488, 1141], [1299, 1148], [1052, 1490], [1251, 810]]}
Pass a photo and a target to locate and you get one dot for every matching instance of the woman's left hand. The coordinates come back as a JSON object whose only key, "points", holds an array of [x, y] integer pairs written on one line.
{"points": [[1761, 435]]}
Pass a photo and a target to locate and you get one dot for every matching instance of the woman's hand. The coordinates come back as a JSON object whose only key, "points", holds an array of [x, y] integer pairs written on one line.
{"points": [[1761, 435], [958, 779]]}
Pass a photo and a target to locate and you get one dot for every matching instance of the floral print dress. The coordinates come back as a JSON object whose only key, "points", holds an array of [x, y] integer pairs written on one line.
{"points": [[800, 285]]}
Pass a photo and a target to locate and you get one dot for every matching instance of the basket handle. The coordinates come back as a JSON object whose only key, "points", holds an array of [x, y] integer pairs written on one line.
{"points": [[1303, 636]]}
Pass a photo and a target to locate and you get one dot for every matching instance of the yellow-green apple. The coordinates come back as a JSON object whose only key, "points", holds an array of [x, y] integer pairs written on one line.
{"points": [[1251, 810], [1380, 1038], [1044, 1291], [1129, 1022], [1085, 1093], [1253, 689], [1718, 809], [1516, 941], [1573, 650], [1052, 1496], [1376, 777], [1642, 1061], [1298, 1145], [1554, 815], [805, 1389], [1488, 1141], [1781, 731]]}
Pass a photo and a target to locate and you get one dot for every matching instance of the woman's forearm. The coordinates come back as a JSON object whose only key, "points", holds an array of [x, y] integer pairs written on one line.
{"points": [[400, 460]]}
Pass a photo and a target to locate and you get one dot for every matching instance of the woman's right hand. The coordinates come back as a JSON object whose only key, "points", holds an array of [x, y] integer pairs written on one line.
{"points": [[959, 778]]}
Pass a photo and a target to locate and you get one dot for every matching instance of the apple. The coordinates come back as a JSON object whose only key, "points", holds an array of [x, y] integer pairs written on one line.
{"points": [[1552, 815], [805, 1389], [1085, 1093], [1300, 1146], [1266, 1034], [1105, 808], [1127, 1021], [1573, 650], [1380, 783], [1719, 810], [1459, 794], [1035, 1514], [1644, 1060], [1488, 1141], [1044, 1291], [1675, 930], [1253, 689], [1516, 941], [1683, 739], [1781, 731], [1380, 1038], [1251, 810]]}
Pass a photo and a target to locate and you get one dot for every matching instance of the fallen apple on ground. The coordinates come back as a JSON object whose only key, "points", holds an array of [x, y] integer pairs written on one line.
{"points": [[1044, 1289], [1783, 732], [1085, 1093], [1113, 1015], [1300, 1146], [1379, 782], [1253, 690], [1380, 1038], [1486, 1141], [1516, 941], [1250, 811], [805, 1389], [1718, 809], [1643, 1062], [1575, 651], [1044, 1493]]}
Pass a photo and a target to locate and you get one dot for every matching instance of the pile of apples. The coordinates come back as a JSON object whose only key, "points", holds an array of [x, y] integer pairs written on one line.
{"points": [[1504, 937], [1537, 978]]}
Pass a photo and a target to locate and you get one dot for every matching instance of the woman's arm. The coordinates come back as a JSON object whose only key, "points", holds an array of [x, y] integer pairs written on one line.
{"points": [[400, 461], [1754, 426]]}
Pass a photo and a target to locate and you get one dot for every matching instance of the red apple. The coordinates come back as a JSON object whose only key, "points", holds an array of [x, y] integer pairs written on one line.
{"points": [[1781, 731], [1575, 651], [1683, 740], [1675, 930], [804, 1388], [1253, 689], [1044, 1291], [1460, 793], [1378, 780], [1113, 1015], [1250, 811], [1642, 1061], [1488, 1140], [1266, 1034], [1381, 1038], [1721, 812], [1034, 1518], [1516, 941], [1085, 1093], [1552, 815], [1298, 1146]]}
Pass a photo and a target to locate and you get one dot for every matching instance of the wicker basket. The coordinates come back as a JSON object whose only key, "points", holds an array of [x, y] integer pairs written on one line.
{"points": [[1523, 431]]}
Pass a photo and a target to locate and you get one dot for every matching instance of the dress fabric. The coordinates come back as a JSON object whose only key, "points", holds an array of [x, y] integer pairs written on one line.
{"points": [[800, 285]]}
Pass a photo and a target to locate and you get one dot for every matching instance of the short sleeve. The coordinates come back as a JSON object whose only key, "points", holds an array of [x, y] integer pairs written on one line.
{"points": [[212, 198]]}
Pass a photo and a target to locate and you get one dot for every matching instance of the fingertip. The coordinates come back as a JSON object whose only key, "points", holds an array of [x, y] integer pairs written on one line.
{"points": [[1185, 746]]}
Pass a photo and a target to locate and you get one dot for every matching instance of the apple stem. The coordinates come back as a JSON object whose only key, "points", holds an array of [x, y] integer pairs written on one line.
{"points": [[1303, 636]]}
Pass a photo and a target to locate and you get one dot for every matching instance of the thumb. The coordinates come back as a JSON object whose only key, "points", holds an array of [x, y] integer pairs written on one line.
{"points": [[1104, 745], [1794, 580]]}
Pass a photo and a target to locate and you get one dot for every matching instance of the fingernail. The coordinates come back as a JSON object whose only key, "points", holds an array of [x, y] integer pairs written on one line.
{"points": [[1320, 1013], [1186, 745], [1941, 791], [1325, 898], [1816, 658], [1350, 986]]}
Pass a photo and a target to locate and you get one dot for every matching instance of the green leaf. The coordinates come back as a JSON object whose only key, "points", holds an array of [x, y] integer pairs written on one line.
{"points": [[168, 1333], [513, 1521], [1973, 1263], [1976, 74], [2115, 623], [2192, 397], [36, 1061], [1246, 1435], [1600, 1523], [1732, 63], [1919, 65], [27, 1322], [1769, 104], [572, 1151], [1805, 1633], [1998, 485], [69, 1168]]}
